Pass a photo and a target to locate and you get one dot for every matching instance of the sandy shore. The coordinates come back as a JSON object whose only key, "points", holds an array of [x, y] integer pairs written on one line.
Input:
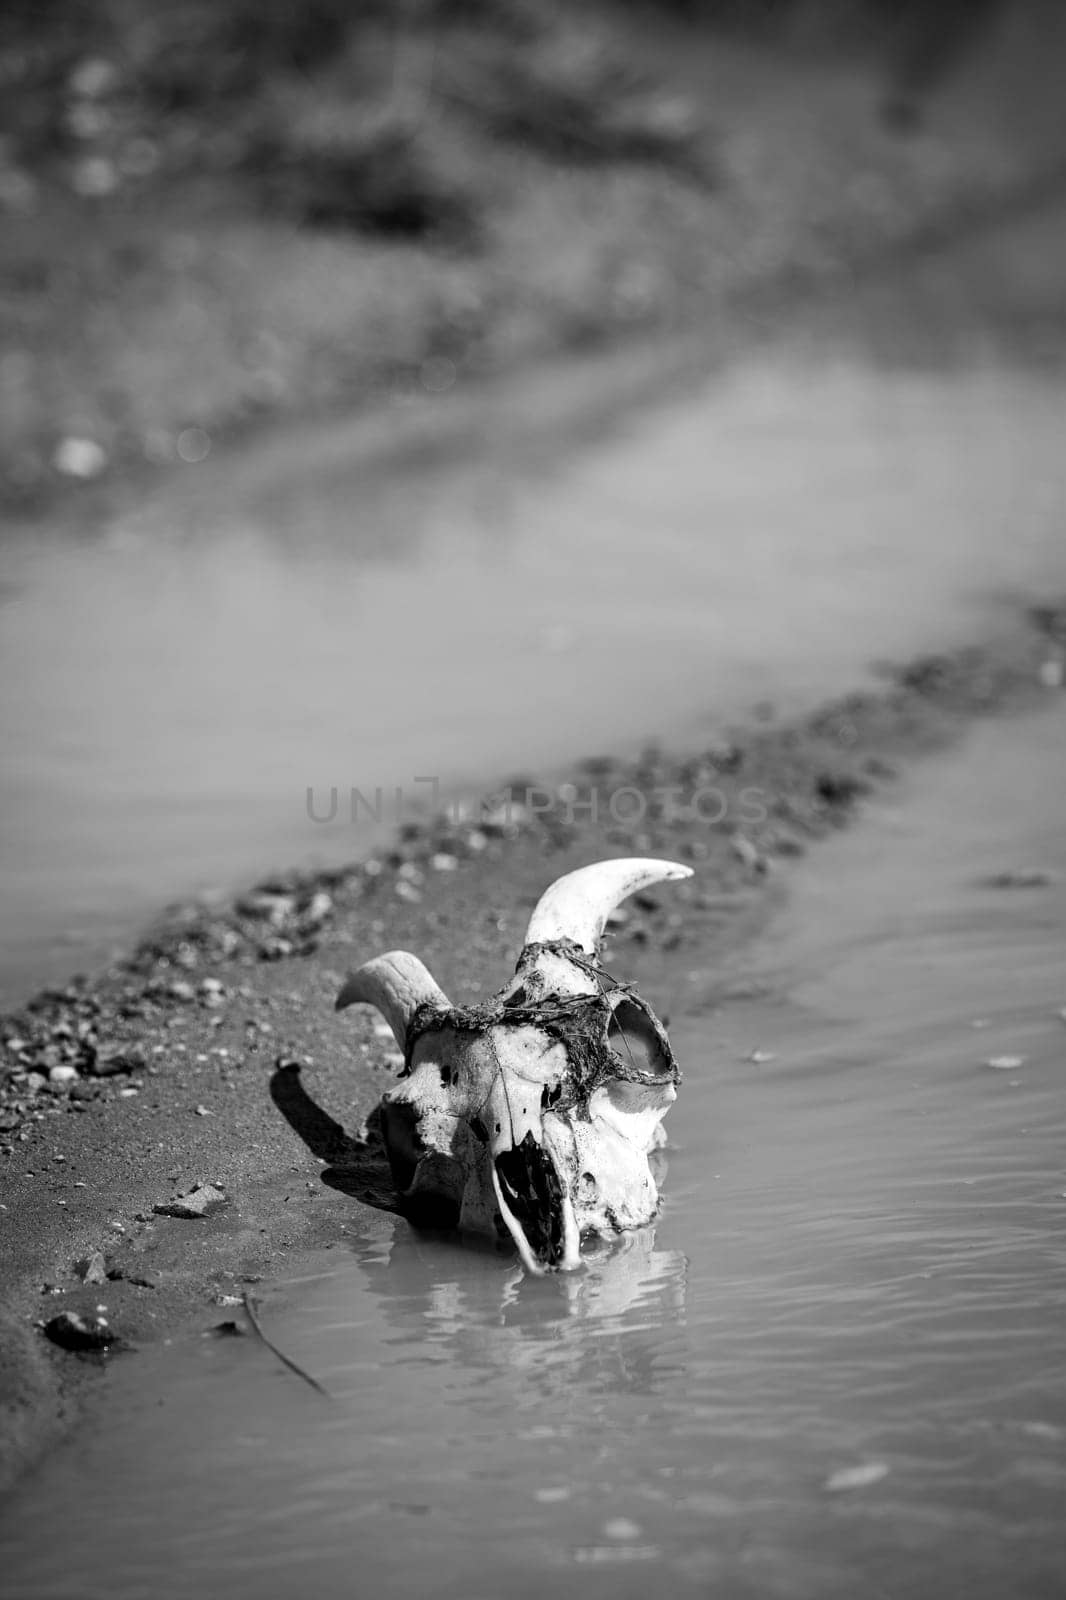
{"points": [[212, 1055]]}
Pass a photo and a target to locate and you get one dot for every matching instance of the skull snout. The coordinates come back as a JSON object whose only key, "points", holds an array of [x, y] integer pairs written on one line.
{"points": [[531, 1195], [532, 1199]]}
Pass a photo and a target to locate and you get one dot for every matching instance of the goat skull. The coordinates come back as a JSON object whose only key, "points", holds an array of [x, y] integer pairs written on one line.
{"points": [[533, 1115]]}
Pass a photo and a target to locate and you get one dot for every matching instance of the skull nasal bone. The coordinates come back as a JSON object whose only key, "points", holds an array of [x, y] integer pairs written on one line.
{"points": [[534, 1196]]}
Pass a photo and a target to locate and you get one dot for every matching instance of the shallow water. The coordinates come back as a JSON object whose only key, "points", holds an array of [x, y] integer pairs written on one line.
{"points": [[172, 685], [859, 1269]]}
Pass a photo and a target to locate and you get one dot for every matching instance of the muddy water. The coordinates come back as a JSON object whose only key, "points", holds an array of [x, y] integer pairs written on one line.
{"points": [[171, 685], [834, 1368]]}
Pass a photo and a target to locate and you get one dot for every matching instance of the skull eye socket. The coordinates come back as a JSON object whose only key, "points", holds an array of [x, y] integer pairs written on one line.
{"points": [[633, 1039]]}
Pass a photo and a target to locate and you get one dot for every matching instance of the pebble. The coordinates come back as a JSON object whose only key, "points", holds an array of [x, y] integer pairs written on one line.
{"points": [[856, 1477], [196, 1202], [92, 1268], [747, 853], [79, 458], [62, 1074], [110, 1060], [443, 862], [319, 907], [621, 1528]]}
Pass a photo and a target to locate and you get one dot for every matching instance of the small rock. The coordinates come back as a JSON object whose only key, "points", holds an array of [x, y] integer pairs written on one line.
{"points": [[748, 853], [62, 1074], [1005, 1063], [110, 1060], [319, 908], [202, 1111], [274, 908], [94, 176], [1052, 673], [196, 1202], [79, 458], [275, 949], [856, 1477], [92, 1268], [117, 1275], [621, 1528], [228, 1300], [212, 993], [443, 862], [182, 991], [72, 1331], [93, 77]]}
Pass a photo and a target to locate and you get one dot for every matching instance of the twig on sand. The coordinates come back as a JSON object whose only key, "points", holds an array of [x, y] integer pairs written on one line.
{"points": [[253, 1318]]}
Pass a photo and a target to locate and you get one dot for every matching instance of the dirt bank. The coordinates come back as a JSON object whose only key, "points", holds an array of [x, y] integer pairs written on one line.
{"points": [[212, 1055]]}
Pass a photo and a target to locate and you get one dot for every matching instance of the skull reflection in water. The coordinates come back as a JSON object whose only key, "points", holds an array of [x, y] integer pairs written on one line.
{"points": [[531, 1116]]}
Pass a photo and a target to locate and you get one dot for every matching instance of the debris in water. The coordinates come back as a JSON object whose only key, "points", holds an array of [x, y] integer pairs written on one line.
{"points": [[227, 1330], [856, 1477], [72, 1331], [1021, 878], [1005, 1063], [286, 1361], [198, 1201], [759, 1056]]}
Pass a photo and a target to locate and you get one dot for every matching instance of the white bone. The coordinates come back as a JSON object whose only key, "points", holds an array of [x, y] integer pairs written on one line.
{"points": [[397, 983], [493, 1128], [577, 906]]}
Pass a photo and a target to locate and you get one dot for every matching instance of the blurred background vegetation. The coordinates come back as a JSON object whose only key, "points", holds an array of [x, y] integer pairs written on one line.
{"points": [[216, 211]]}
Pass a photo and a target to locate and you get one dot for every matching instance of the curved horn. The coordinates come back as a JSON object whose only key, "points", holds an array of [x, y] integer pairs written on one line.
{"points": [[577, 906], [397, 983]]}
